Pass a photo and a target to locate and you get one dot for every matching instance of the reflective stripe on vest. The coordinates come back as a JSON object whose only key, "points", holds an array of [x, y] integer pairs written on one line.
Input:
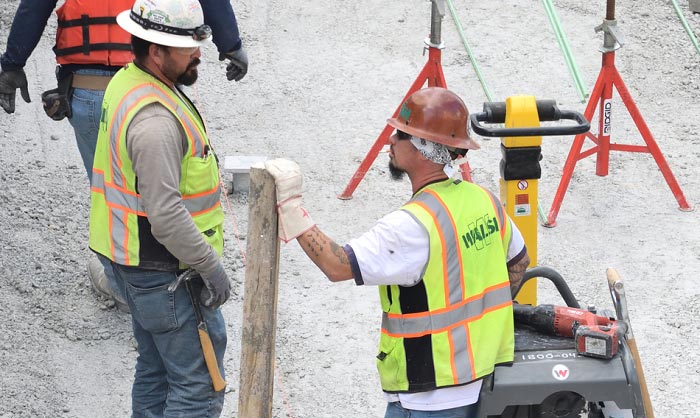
{"points": [[443, 344], [88, 33], [116, 206]]}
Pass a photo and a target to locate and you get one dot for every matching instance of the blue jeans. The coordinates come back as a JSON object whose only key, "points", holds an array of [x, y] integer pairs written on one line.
{"points": [[395, 410], [86, 108], [171, 378]]}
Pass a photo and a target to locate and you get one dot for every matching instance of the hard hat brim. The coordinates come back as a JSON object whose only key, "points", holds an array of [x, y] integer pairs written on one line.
{"points": [[161, 38], [463, 143]]}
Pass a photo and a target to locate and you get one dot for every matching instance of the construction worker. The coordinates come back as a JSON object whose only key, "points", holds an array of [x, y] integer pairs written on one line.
{"points": [[446, 264], [90, 48], [155, 209]]}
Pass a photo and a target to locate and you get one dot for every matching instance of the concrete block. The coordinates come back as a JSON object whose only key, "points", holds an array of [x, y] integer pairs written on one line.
{"points": [[238, 166], [694, 6]]}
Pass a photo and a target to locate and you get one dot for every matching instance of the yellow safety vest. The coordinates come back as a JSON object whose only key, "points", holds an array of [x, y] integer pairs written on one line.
{"points": [[119, 227], [456, 324]]}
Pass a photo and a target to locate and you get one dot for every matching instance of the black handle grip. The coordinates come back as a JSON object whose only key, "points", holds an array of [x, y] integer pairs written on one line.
{"points": [[547, 110]]}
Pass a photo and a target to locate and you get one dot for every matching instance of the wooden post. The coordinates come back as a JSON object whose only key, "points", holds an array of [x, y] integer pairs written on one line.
{"points": [[260, 299]]}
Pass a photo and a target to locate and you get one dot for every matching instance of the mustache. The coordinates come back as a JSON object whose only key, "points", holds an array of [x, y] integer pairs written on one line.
{"points": [[195, 62]]}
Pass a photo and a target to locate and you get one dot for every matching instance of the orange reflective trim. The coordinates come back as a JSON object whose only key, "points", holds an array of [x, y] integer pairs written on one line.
{"points": [[451, 342], [121, 189], [171, 106], [457, 247], [119, 134], [443, 245], [204, 193], [125, 209], [463, 322], [448, 308], [125, 219], [110, 225], [470, 351], [218, 205]]}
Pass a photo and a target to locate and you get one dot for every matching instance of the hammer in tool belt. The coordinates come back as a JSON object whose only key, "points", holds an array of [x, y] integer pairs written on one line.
{"points": [[207, 348]]}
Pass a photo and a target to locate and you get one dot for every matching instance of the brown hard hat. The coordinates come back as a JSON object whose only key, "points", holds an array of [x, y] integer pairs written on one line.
{"points": [[435, 114]]}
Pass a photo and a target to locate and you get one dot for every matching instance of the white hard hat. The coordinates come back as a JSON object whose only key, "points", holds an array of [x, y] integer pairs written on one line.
{"points": [[178, 23]]}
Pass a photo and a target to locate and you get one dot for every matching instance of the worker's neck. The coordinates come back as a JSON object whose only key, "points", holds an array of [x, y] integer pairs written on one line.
{"points": [[421, 178], [151, 68]]}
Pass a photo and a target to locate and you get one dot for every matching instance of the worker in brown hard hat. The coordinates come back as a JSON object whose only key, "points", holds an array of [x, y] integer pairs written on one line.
{"points": [[446, 264]]}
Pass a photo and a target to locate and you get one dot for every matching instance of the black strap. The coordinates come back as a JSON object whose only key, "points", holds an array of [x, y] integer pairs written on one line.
{"points": [[94, 47], [86, 47], [85, 19]]}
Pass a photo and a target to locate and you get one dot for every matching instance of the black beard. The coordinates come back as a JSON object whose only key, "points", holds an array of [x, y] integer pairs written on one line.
{"points": [[190, 75], [396, 173]]}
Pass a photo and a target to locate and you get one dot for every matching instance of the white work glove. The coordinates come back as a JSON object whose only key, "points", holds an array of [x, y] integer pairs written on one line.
{"points": [[293, 220]]}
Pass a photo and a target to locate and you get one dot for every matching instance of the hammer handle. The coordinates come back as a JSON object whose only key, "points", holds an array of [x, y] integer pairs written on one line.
{"points": [[210, 359], [207, 347]]}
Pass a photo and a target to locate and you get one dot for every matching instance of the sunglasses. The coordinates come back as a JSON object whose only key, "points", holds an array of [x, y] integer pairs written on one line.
{"points": [[402, 135], [187, 51]]}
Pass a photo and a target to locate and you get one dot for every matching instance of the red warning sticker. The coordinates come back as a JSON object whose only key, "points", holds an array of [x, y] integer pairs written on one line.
{"points": [[522, 199]]}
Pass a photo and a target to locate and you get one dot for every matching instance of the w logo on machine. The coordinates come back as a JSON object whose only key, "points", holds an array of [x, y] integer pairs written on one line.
{"points": [[560, 372]]}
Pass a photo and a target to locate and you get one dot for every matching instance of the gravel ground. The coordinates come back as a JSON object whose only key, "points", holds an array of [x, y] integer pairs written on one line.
{"points": [[323, 78]]}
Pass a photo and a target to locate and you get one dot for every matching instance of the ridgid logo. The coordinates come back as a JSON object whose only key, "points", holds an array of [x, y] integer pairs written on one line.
{"points": [[479, 234]]}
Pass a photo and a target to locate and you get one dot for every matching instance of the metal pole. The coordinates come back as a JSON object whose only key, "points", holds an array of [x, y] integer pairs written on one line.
{"points": [[437, 13]]}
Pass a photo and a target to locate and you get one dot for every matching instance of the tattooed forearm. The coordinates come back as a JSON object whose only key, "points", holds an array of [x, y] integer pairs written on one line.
{"points": [[326, 254], [515, 273], [314, 242]]}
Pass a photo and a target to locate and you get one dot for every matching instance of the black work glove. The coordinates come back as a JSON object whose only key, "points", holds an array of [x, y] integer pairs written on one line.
{"points": [[216, 290], [10, 81], [238, 64], [56, 104]]}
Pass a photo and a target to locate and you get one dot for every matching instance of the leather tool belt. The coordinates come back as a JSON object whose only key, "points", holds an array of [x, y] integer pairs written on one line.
{"points": [[90, 82]]}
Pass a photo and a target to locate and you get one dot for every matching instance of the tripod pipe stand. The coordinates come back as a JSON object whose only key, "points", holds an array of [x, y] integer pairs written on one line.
{"points": [[431, 74], [601, 95]]}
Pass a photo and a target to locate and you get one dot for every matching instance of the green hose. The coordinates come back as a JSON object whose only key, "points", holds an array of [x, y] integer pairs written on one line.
{"points": [[566, 50], [469, 50], [689, 31]]}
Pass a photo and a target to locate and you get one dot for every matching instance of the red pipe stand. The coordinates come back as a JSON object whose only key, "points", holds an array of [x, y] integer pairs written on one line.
{"points": [[602, 94], [432, 75]]}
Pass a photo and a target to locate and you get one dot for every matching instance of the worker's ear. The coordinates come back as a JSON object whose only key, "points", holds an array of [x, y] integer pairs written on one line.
{"points": [[156, 52]]}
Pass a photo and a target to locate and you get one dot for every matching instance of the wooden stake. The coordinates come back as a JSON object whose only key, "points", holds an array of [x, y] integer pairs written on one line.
{"points": [[260, 299]]}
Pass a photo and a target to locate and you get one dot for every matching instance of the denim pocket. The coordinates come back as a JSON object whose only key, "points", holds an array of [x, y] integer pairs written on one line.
{"points": [[156, 308]]}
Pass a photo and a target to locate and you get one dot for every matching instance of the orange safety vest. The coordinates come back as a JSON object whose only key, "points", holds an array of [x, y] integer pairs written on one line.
{"points": [[88, 33]]}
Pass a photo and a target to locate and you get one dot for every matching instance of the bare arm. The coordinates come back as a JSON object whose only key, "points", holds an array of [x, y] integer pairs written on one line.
{"points": [[515, 273], [326, 254]]}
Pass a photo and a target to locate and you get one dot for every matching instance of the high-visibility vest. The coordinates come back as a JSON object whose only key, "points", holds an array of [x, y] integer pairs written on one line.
{"points": [[88, 33], [456, 324], [119, 227]]}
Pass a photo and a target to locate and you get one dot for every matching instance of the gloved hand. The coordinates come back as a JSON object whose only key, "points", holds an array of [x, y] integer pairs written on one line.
{"points": [[238, 64], [56, 104], [293, 220], [10, 81], [217, 288]]}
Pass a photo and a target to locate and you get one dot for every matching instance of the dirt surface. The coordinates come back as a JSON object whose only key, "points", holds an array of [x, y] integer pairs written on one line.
{"points": [[323, 78]]}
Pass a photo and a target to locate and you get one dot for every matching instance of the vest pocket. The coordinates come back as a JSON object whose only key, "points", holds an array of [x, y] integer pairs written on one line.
{"points": [[391, 373], [200, 174]]}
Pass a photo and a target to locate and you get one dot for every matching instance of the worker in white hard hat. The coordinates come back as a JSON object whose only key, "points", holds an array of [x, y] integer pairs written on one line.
{"points": [[156, 212]]}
